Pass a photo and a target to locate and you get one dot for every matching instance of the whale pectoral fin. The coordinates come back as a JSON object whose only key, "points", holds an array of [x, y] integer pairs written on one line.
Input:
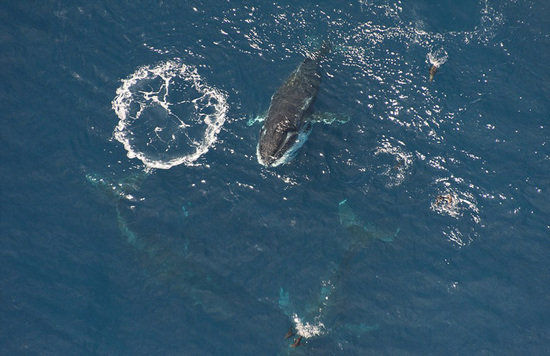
{"points": [[328, 118], [259, 118], [284, 302], [385, 236], [378, 233], [360, 230]]}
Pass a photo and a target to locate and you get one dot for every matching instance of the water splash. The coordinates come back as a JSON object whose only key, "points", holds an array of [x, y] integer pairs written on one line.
{"points": [[402, 161], [437, 56], [307, 329]]}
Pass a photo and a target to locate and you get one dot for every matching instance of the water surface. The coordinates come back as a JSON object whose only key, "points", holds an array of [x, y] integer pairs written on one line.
{"points": [[135, 218]]}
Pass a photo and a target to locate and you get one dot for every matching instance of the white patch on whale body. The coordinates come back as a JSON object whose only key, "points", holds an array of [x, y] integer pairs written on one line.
{"points": [[307, 102], [290, 153]]}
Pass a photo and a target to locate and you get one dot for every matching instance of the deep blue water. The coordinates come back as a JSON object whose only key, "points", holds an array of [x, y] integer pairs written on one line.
{"points": [[109, 253]]}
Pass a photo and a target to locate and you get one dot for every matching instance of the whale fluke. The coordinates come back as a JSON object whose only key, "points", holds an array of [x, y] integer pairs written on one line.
{"points": [[297, 342], [433, 70]]}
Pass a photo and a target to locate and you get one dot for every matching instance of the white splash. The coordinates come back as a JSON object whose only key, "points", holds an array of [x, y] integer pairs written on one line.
{"points": [[307, 330], [454, 202], [168, 115], [397, 172], [437, 56]]}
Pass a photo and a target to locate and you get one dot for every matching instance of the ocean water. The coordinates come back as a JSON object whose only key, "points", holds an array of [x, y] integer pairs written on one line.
{"points": [[135, 218]]}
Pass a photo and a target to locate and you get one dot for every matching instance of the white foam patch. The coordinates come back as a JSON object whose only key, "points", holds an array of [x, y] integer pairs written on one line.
{"points": [[455, 236], [307, 330], [455, 203], [168, 115], [456, 199], [398, 171]]}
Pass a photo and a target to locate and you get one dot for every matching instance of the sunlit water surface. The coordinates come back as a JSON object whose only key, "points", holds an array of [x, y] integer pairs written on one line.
{"points": [[135, 218]]}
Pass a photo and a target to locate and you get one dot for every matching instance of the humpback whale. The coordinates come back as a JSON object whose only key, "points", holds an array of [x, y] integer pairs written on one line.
{"points": [[287, 124]]}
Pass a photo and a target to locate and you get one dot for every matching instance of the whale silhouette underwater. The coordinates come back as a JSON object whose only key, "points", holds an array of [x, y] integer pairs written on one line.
{"points": [[289, 118]]}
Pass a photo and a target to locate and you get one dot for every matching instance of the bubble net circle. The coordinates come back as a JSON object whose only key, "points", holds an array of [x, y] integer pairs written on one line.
{"points": [[168, 115]]}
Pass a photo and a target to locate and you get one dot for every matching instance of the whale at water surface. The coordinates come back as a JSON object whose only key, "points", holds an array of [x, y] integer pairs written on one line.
{"points": [[288, 121]]}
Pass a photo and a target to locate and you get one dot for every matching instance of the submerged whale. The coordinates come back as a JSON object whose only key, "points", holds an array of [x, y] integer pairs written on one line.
{"points": [[287, 125]]}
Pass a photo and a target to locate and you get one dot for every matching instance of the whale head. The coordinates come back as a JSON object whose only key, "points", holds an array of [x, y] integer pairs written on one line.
{"points": [[278, 145]]}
